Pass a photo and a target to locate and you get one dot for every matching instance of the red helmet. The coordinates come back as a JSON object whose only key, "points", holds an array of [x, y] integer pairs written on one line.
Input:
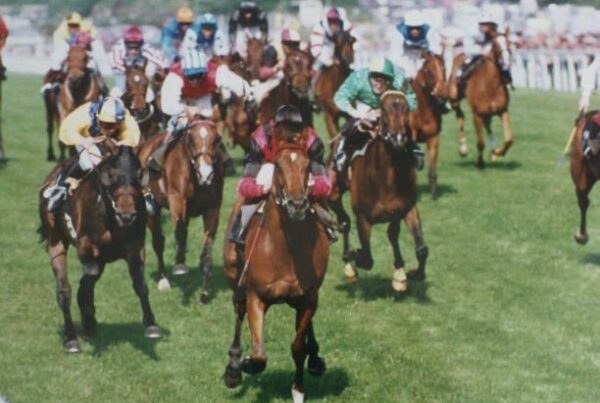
{"points": [[333, 14], [133, 35]]}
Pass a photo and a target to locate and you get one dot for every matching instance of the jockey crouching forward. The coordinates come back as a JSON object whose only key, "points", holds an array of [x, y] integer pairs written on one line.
{"points": [[174, 31], [365, 86], [206, 37], [322, 45], [248, 21], [257, 178], [104, 119], [188, 93]]}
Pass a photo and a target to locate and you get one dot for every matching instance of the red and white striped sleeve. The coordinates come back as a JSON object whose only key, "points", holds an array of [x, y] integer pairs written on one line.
{"points": [[155, 57], [117, 55]]}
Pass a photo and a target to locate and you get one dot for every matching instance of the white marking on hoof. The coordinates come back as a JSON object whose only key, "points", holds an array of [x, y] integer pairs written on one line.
{"points": [[350, 273], [462, 149], [164, 285], [180, 270], [297, 396], [399, 280], [494, 157]]}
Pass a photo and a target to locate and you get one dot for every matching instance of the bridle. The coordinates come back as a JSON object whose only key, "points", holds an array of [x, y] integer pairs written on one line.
{"points": [[396, 140], [193, 157], [280, 196]]}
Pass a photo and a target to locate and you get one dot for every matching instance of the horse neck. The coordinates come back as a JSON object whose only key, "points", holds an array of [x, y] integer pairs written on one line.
{"points": [[426, 102], [80, 89], [383, 165]]}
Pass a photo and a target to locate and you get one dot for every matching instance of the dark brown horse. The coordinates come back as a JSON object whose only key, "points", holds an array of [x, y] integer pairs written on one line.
{"points": [[255, 50], [487, 95], [431, 92], [190, 185], [293, 90], [134, 98], [286, 256], [330, 79], [383, 188], [81, 86], [105, 220]]}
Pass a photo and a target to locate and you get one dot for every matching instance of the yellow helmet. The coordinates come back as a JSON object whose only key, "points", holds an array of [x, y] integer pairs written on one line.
{"points": [[184, 15], [111, 110], [74, 18]]}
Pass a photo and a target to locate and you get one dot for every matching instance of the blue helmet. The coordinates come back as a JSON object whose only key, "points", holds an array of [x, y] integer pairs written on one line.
{"points": [[194, 62], [208, 20]]}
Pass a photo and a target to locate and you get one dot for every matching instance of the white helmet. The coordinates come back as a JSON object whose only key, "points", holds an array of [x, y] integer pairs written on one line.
{"points": [[414, 18], [487, 18]]}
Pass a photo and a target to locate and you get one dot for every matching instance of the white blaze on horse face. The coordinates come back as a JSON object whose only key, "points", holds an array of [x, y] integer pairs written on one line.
{"points": [[293, 157], [137, 78], [205, 170], [203, 132]]}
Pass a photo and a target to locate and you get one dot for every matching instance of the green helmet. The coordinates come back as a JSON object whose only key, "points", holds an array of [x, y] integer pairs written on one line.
{"points": [[382, 66]]}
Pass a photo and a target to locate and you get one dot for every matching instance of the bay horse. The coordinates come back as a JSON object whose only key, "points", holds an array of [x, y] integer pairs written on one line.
{"points": [[332, 77], [383, 189], [134, 98], [104, 220], [292, 90], [425, 121], [286, 257], [488, 96], [80, 86], [240, 122], [190, 185], [254, 49]]}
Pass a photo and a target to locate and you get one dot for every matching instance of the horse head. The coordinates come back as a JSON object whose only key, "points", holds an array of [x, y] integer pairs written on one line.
{"points": [[202, 142], [120, 185], [77, 60], [291, 178], [432, 76], [297, 72], [394, 118], [254, 55], [344, 47], [136, 84]]}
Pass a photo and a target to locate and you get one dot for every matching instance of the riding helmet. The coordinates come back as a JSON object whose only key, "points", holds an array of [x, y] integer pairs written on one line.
{"points": [[288, 114]]}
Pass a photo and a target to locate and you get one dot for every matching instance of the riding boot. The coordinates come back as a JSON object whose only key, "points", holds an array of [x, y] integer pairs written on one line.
{"points": [[340, 154], [418, 155], [328, 222], [235, 235], [2, 72], [67, 181], [507, 78], [228, 165]]}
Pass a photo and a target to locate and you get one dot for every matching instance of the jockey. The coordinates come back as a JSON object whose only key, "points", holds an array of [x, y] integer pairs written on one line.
{"points": [[106, 118], [257, 177], [131, 50], [416, 36], [364, 87], [188, 92], [488, 28], [74, 30], [174, 31], [322, 44], [588, 83], [3, 36], [206, 38], [248, 21]]}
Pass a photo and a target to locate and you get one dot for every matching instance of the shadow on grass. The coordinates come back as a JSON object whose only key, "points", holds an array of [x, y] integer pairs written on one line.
{"points": [[110, 334], [190, 284], [500, 165], [424, 192], [277, 385], [591, 258], [374, 287]]}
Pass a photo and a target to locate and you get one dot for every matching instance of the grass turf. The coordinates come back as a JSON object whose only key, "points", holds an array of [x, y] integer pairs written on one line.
{"points": [[508, 311]]}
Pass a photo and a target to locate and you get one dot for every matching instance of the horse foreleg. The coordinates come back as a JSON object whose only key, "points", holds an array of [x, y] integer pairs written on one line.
{"points": [[460, 136], [399, 278], [508, 136], [58, 262], [433, 146], [85, 300], [478, 123], [316, 364], [135, 263], [49, 125], [413, 222], [233, 371], [158, 245], [181, 233], [363, 258], [257, 361], [211, 223], [304, 314], [581, 236]]}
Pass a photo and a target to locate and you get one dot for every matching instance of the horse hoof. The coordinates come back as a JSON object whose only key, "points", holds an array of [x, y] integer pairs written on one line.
{"points": [[180, 269], [72, 346], [51, 157], [350, 274], [581, 239], [463, 151], [253, 366], [416, 275], [316, 366], [232, 376], [297, 396], [163, 284], [153, 332], [480, 163], [494, 156], [363, 261], [204, 297], [399, 280]]}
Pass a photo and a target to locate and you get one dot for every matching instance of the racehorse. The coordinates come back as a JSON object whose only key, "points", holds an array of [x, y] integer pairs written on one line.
{"points": [[425, 121], [383, 188], [286, 256], [190, 185], [255, 50], [292, 90], [330, 79], [80, 86], [104, 219], [134, 98], [240, 122], [487, 95]]}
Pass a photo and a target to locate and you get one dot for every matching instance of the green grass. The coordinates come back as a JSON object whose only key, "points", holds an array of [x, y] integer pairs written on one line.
{"points": [[508, 311]]}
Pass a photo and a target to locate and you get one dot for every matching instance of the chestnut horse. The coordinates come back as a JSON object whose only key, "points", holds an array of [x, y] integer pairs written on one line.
{"points": [[383, 188], [81, 86], [330, 79], [134, 98], [190, 185], [487, 95], [286, 256], [292, 90], [255, 50], [425, 121], [104, 219]]}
